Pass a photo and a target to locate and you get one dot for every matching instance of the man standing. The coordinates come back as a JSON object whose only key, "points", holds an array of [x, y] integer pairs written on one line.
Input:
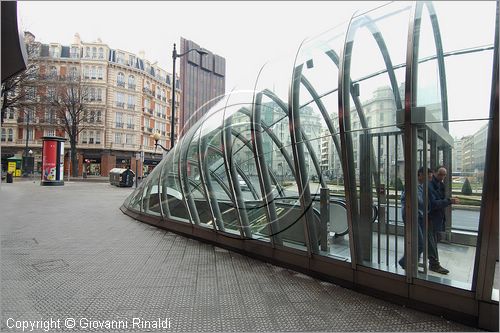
{"points": [[420, 191], [437, 217]]}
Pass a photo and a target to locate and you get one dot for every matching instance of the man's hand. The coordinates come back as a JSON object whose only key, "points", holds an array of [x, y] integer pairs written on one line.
{"points": [[455, 201]]}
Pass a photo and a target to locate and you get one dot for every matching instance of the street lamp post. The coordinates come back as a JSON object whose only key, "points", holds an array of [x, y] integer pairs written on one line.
{"points": [[176, 55], [30, 152], [26, 149], [157, 137]]}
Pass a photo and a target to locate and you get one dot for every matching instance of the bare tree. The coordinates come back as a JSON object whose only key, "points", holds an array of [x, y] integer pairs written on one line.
{"points": [[69, 101], [13, 96]]}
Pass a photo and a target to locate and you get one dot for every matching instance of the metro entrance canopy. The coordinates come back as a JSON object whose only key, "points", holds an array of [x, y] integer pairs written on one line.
{"points": [[307, 170]]}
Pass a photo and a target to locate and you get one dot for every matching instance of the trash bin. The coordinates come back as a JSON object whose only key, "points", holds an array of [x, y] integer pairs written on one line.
{"points": [[121, 177], [10, 177]]}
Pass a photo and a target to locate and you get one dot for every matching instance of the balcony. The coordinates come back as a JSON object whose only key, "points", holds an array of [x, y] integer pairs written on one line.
{"points": [[118, 125], [158, 96], [147, 91], [130, 126], [150, 129], [120, 84], [131, 106], [158, 114], [120, 104], [163, 133], [131, 86]]}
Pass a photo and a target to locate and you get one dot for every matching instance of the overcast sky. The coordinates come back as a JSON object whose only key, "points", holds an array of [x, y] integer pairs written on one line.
{"points": [[250, 33], [246, 33]]}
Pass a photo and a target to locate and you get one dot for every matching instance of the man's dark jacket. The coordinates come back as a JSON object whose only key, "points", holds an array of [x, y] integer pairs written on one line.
{"points": [[438, 203]]}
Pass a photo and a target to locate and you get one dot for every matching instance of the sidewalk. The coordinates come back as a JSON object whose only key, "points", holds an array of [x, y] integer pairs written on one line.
{"points": [[69, 255]]}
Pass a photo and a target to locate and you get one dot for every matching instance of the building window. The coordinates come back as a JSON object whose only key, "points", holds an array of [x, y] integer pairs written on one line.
{"points": [[11, 113], [120, 58], [131, 102], [120, 102], [30, 134], [119, 120], [74, 52], [118, 138], [99, 73], [120, 80], [53, 72], [10, 136], [86, 72], [131, 60], [94, 52], [129, 139], [98, 116], [54, 51], [91, 137], [92, 94], [48, 116], [130, 122], [31, 93], [93, 72], [99, 94], [51, 93], [84, 137], [101, 53], [87, 52], [73, 72], [131, 82], [98, 137], [50, 132], [145, 141]]}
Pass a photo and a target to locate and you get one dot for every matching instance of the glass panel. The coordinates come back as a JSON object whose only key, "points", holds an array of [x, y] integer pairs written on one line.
{"points": [[195, 187], [376, 94], [318, 61], [152, 197], [242, 154], [136, 198], [174, 206], [458, 144], [272, 99], [214, 173]]}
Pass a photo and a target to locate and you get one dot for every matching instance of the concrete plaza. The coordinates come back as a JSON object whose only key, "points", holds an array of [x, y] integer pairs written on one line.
{"points": [[72, 261]]}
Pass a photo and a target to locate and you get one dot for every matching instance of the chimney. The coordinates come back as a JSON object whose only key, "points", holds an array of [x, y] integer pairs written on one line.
{"points": [[76, 39]]}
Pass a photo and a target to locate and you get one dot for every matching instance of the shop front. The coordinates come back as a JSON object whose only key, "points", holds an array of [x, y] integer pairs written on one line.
{"points": [[122, 162], [149, 165], [93, 166]]}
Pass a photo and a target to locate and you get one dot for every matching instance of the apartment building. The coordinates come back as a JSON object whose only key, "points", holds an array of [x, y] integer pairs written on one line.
{"points": [[203, 81], [128, 101]]}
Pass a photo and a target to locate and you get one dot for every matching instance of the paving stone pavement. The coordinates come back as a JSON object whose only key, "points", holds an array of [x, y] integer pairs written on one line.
{"points": [[72, 261]]}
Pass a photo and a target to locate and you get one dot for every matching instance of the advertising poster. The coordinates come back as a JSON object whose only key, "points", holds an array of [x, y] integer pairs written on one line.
{"points": [[61, 162], [49, 160]]}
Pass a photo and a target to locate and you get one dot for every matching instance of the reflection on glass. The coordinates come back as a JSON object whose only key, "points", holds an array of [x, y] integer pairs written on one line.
{"points": [[302, 163]]}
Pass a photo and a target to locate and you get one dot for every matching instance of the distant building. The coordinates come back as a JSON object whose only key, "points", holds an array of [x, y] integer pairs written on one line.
{"points": [[202, 81], [457, 156], [127, 103]]}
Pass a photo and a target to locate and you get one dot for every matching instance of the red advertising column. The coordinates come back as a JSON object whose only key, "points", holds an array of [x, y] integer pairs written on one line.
{"points": [[52, 161]]}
